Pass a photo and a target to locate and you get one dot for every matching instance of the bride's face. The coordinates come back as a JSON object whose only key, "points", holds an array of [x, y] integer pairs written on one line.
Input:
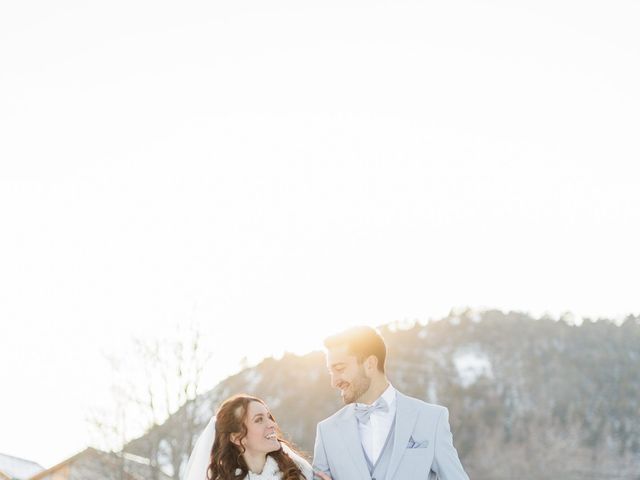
{"points": [[261, 430]]}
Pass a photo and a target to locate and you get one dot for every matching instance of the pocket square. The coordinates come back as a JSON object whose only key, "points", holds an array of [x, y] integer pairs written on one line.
{"points": [[413, 444]]}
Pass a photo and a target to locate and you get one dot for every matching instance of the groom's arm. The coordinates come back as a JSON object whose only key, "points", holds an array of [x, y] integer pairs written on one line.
{"points": [[446, 463], [320, 462]]}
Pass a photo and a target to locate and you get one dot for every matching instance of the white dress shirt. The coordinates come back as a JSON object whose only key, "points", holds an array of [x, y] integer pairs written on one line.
{"points": [[373, 434]]}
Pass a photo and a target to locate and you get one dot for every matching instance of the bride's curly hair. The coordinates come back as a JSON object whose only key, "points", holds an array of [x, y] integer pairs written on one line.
{"points": [[227, 462]]}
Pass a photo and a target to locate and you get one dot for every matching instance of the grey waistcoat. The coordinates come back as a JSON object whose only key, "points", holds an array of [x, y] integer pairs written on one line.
{"points": [[379, 470]]}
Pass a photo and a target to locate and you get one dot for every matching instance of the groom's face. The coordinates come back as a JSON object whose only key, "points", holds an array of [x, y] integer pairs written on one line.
{"points": [[347, 374]]}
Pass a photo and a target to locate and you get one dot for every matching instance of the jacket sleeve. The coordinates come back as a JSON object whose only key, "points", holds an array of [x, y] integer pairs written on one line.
{"points": [[320, 462], [446, 463]]}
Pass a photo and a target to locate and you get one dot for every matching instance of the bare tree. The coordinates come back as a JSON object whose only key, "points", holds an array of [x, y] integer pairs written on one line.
{"points": [[154, 404]]}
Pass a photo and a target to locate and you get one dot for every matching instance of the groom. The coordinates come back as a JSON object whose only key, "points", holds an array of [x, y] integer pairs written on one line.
{"points": [[380, 434]]}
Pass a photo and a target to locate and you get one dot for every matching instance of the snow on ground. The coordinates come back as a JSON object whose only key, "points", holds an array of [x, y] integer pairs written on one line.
{"points": [[471, 365]]}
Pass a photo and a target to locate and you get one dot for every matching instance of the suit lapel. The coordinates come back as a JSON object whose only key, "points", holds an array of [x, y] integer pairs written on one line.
{"points": [[406, 415], [348, 433]]}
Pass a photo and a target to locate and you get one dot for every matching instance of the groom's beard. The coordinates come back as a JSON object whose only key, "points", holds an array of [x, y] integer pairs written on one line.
{"points": [[357, 387]]}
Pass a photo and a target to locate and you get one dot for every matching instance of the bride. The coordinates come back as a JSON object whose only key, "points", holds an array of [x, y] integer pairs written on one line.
{"points": [[242, 443]]}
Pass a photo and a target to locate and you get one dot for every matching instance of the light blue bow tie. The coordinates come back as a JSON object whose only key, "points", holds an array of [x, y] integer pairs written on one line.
{"points": [[363, 412]]}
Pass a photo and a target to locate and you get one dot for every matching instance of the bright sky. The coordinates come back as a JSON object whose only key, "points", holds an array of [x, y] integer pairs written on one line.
{"points": [[279, 170]]}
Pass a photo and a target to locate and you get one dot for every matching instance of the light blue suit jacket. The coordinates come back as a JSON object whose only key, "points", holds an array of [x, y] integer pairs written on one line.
{"points": [[422, 448]]}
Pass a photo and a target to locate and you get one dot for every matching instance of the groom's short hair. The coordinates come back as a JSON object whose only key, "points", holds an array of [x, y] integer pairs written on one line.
{"points": [[361, 342]]}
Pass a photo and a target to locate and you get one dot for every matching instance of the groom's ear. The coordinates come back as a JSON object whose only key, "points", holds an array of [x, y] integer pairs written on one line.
{"points": [[371, 363]]}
